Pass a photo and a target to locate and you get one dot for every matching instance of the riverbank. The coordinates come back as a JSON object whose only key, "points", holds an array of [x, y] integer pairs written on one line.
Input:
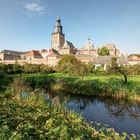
{"points": [[102, 86], [35, 119], [58, 84]]}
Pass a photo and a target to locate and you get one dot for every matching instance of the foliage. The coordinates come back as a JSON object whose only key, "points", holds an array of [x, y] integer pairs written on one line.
{"points": [[27, 68], [4, 81], [103, 51], [31, 68], [79, 87], [30, 84], [121, 70], [102, 85], [17, 87], [82, 70], [92, 85], [34, 119], [134, 69], [70, 65], [25, 120], [46, 69], [90, 67]]}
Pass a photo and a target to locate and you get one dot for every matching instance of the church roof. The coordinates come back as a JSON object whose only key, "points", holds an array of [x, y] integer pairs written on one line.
{"points": [[68, 44], [53, 53], [33, 53], [58, 21], [89, 46], [44, 51], [58, 26], [138, 55], [108, 59], [103, 60], [110, 46], [11, 52], [134, 57]]}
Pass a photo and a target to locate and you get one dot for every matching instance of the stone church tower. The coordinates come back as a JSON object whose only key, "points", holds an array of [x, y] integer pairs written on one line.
{"points": [[58, 38]]}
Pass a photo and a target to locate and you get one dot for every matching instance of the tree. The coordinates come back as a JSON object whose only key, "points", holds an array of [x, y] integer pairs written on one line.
{"points": [[83, 70], [68, 64], [114, 62], [121, 70], [9, 68], [3, 68], [103, 51], [134, 69], [91, 67], [46, 69], [72, 66], [16, 68]]}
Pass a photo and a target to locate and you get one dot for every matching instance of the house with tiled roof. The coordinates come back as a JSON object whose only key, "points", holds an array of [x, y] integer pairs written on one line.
{"points": [[60, 46], [67, 48], [88, 49], [133, 59], [53, 57], [59, 43], [31, 55], [102, 61], [112, 49], [106, 61], [44, 53], [10, 55]]}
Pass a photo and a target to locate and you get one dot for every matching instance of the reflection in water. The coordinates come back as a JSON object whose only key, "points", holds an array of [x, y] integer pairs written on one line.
{"points": [[114, 107], [121, 115], [119, 108]]}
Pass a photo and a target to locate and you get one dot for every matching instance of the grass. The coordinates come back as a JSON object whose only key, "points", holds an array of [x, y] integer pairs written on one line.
{"points": [[92, 85], [102, 77], [105, 86], [30, 119]]}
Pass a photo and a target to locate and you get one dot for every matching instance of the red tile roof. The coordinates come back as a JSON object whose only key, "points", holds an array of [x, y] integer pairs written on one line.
{"points": [[33, 53], [134, 57], [53, 53]]}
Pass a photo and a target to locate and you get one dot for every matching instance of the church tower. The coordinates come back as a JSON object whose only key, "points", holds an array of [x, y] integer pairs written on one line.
{"points": [[58, 38]]}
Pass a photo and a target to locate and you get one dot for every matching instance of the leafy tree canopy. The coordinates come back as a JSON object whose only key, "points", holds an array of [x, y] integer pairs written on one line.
{"points": [[68, 64], [123, 71], [103, 51], [72, 66]]}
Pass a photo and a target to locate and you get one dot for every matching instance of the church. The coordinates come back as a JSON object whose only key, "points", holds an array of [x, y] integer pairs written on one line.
{"points": [[87, 53], [58, 42], [59, 46]]}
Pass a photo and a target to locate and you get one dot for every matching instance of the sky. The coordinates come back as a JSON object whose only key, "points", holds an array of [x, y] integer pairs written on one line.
{"points": [[28, 24]]}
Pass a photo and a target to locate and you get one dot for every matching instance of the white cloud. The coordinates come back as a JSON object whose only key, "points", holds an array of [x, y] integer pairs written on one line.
{"points": [[34, 8]]}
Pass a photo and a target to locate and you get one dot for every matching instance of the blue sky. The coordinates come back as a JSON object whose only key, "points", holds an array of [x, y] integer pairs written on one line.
{"points": [[28, 24]]}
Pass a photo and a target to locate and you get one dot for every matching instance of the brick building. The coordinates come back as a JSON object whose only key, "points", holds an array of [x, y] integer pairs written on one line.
{"points": [[10, 55], [59, 46], [58, 41], [133, 59]]}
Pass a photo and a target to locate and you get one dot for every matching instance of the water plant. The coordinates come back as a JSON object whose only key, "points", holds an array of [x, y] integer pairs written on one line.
{"points": [[35, 120]]}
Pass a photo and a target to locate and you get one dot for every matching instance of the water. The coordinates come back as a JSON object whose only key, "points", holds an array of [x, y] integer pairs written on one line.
{"points": [[121, 115]]}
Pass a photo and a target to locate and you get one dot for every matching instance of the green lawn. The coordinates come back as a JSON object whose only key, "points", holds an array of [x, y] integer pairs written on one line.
{"points": [[133, 81], [102, 78], [100, 84]]}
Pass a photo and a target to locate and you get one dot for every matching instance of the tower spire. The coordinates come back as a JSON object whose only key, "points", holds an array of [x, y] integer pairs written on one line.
{"points": [[58, 26], [89, 40], [58, 38]]}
